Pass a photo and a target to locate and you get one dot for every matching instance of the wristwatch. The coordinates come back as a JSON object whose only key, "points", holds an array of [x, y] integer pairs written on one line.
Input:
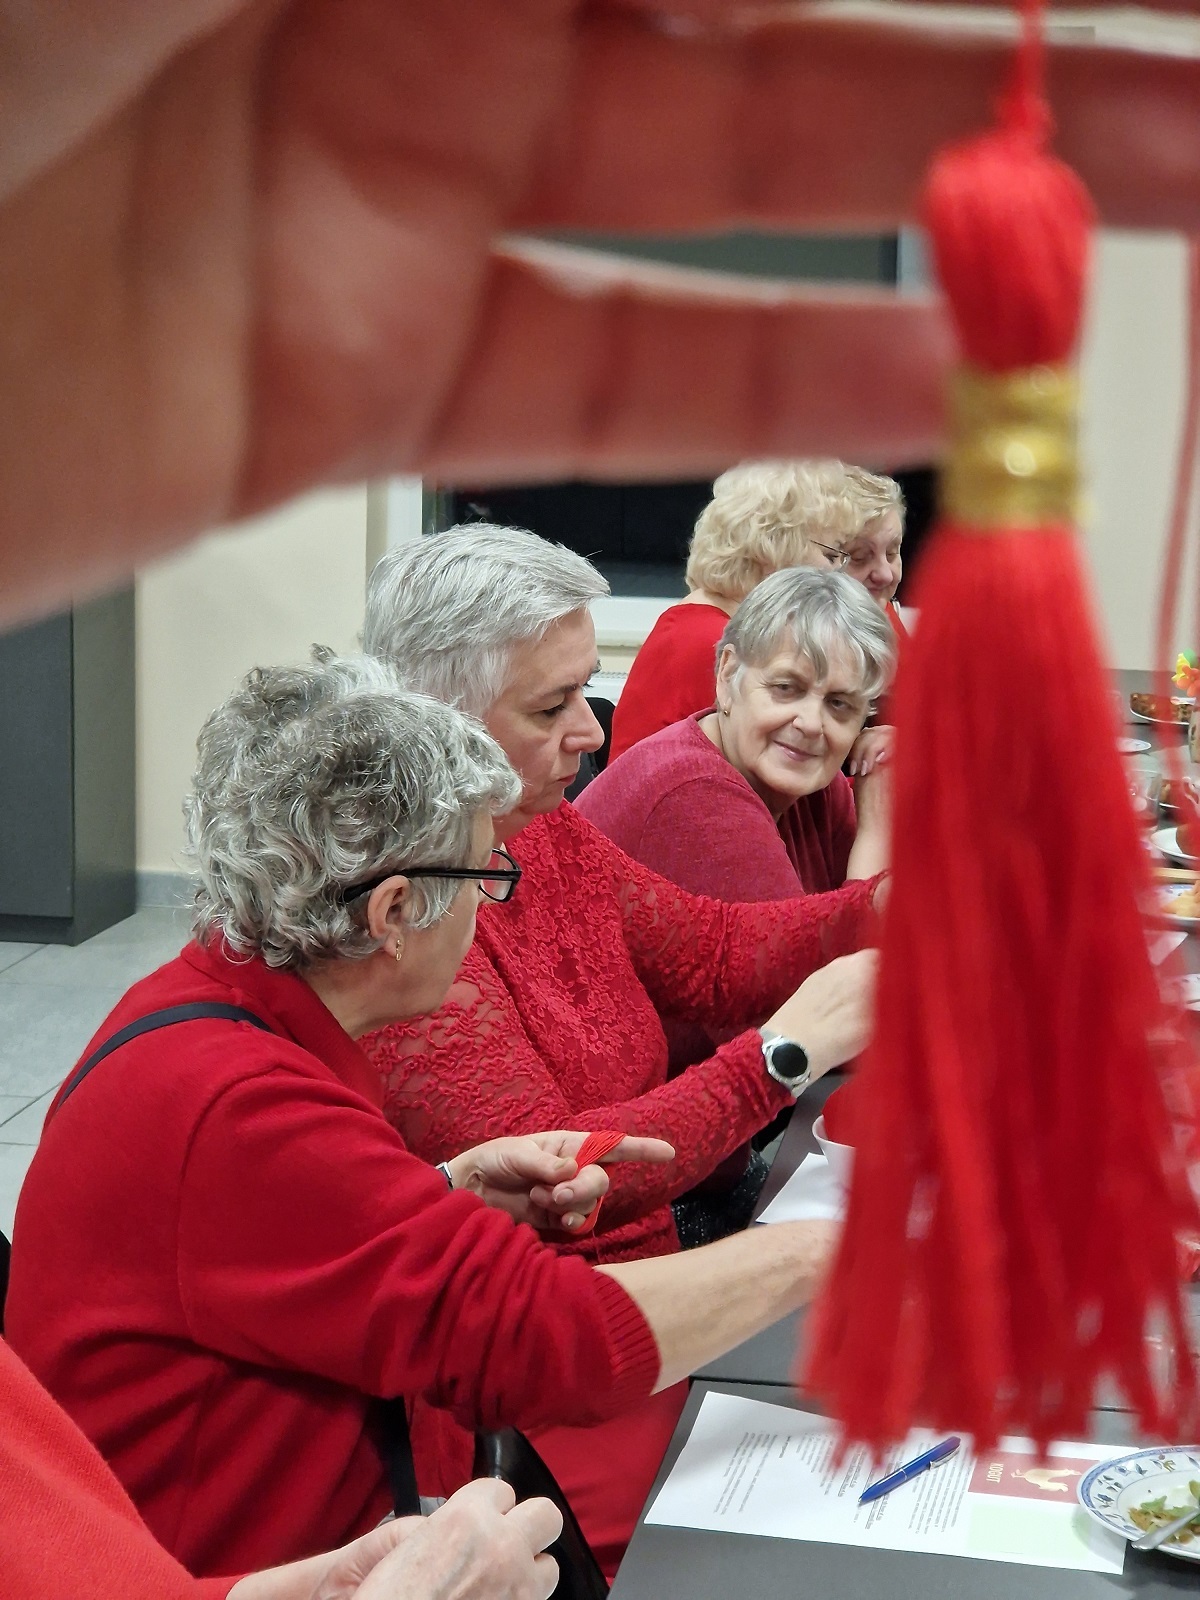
{"points": [[786, 1061]]}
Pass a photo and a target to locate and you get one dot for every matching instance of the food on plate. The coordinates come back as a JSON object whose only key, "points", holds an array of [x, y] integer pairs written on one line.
{"points": [[1180, 900], [1157, 1513], [1163, 708]]}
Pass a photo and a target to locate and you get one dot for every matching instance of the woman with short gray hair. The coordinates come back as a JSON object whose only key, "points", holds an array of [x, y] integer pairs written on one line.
{"points": [[748, 801], [488, 588]]}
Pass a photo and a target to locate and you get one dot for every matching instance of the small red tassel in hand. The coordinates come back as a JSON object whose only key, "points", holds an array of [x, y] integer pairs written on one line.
{"points": [[1011, 1229]]}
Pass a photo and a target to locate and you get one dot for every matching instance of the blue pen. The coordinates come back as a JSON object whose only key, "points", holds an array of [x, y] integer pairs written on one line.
{"points": [[911, 1469]]}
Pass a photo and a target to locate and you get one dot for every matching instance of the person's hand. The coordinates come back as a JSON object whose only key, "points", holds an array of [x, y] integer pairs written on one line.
{"points": [[534, 1177], [830, 1013], [248, 246], [872, 748], [871, 852], [480, 1545]]}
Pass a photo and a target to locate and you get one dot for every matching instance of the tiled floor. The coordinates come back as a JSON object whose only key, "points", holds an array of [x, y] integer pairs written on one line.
{"points": [[52, 999]]}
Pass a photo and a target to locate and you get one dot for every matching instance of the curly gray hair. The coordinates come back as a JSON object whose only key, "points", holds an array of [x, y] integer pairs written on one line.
{"points": [[821, 612], [448, 610], [313, 779]]}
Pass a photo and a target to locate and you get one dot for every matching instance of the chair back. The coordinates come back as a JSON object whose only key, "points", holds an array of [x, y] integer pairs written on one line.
{"points": [[593, 762], [509, 1455]]}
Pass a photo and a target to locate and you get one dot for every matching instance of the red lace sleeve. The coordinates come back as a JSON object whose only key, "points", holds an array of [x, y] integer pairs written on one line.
{"points": [[470, 1073], [730, 965]]}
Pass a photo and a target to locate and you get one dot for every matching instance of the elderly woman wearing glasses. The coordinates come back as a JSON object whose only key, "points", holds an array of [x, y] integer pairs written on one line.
{"points": [[223, 1254], [556, 1013], [764, 516]]}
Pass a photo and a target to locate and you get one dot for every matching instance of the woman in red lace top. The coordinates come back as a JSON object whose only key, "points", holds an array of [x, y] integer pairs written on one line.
{"points": [[557, 1008], [556, 1011]]}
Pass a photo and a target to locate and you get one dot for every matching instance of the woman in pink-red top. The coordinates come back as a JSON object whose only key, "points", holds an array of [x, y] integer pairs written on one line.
{"points": [[748, 801], [763, 516], [70, 1530]]}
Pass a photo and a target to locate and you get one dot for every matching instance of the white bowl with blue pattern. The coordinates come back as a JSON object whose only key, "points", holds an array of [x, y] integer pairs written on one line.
{"points": [[1111, 1490]]}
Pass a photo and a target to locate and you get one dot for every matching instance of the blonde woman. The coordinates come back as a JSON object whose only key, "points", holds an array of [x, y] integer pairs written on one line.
{"points": [[873, 555], [763, 516]]}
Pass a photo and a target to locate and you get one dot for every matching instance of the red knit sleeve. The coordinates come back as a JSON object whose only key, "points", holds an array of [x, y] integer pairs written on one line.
{"points": [[509, 1088], [309, 1238]]}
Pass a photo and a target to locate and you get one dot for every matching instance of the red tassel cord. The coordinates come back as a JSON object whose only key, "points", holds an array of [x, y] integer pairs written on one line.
{"points": [[1010, 1234], [594, 1148]]}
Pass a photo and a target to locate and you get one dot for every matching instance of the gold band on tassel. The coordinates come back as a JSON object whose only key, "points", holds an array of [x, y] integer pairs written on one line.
{"points": [[1014, 459]]}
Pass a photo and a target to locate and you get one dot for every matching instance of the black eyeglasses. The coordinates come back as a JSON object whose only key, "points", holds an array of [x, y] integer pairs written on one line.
{"points": [[497, 882], [840, 558]]}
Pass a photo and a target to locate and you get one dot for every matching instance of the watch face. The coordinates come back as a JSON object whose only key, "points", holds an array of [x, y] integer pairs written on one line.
{"points": [[789, 1060]]}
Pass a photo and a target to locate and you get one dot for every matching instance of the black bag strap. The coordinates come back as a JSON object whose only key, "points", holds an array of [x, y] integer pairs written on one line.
{"points": [[395, 1447], [392, 1418], [195, 1011]]}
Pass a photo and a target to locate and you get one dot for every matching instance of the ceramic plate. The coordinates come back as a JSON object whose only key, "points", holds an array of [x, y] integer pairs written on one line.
{"points": [[1133, 747], [1159, 722], [1111, 1490], [1165, 840]]}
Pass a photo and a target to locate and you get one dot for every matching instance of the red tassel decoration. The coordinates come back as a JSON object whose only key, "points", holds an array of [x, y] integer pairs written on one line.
{"points": [[1010, 1235]]}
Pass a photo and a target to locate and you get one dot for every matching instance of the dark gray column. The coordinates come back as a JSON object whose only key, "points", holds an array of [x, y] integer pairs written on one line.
{"points": [[67, 774]]}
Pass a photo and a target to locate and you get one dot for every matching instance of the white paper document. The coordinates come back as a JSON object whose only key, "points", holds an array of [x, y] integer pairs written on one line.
{"points": [[811, 1193], [750, 1467]]}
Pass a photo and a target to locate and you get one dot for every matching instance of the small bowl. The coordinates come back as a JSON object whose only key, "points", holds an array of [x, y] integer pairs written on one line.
{"points": [[839, 1156]]}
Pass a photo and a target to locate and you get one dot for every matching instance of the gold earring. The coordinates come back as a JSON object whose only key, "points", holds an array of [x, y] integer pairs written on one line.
{"points": [[724, 711], [399, 951]]}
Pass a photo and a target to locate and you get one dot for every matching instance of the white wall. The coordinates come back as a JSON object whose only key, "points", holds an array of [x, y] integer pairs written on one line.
{"points": [[260, 594], [1133, 382]]}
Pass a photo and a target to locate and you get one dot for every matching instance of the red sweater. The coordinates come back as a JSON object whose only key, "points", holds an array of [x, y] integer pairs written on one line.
{"points": [[673, 674], [222, 1249], [68, 1531], [675, 804], [553, 1021]]}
